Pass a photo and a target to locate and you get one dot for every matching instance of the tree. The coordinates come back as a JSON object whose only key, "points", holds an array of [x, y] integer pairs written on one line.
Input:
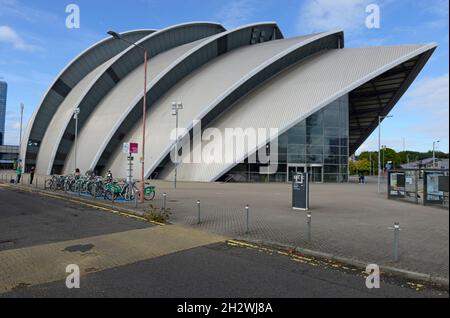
{"points": [[360, 166]]}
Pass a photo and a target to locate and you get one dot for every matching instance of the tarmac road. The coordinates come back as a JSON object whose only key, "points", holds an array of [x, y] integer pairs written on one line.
{"points": [[182, 264]]}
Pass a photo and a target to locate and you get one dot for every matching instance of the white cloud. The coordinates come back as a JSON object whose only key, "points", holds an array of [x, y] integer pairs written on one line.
{"points": [[236, 13], [9, 36], [431, 93], [324, 15], [429, 101], [16, 9], [421, 117]]}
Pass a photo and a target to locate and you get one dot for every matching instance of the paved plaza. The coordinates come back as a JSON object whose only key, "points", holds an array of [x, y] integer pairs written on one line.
{"points": [[348, 221]]}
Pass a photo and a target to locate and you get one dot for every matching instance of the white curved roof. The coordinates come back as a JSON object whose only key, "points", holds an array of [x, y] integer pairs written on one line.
{"points": [[111, 109], [298, 93], [124, 98], [200, 92], [91, 58], [91, 85], [250, 77]]}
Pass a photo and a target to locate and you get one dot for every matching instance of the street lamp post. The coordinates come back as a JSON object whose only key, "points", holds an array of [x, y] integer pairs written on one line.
{"points": [[434, 152], [75, 116], [22, 106], [144, 107], [176, 107], [380, 118]]}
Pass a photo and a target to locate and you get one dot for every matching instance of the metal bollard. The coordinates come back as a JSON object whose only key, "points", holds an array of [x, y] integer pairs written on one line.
{"points": [[199, 212], [113, 198], [164, 201], [396, 242], [309, 221], [135, 200], [247, 210]]}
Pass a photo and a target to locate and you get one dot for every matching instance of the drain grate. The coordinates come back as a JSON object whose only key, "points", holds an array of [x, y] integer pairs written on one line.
{"points": [[79, 248]]}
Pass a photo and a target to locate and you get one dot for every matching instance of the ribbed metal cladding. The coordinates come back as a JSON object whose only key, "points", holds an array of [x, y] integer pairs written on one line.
{"points": [[74, 72], [100, 86], [289, 52], [111, 108], [301, 91], [200, 55], [245, 78]]}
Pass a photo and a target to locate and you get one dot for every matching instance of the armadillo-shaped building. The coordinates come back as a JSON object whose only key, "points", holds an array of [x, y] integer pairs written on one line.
{"points": [[324, 99]]}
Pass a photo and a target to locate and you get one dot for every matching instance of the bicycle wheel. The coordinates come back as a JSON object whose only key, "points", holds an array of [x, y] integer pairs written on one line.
{"points": [[49, 184], [110, 195], [129, 194], [149, 193]]}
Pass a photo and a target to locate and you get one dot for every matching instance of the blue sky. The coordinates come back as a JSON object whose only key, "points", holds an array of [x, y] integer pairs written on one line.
{"points": [[35, 45]]}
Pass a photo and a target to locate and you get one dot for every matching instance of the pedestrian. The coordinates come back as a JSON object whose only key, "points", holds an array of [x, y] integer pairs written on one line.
{"points": [[77, 173], [32, 171], [109, 177], [19, 171]]}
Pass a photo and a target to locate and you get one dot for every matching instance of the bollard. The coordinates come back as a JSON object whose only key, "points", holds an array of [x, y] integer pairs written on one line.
{"points": [[199, 212], [396, 242], [135, 200], [113, 197], [164, 201], [247, 210], [309, 221]]}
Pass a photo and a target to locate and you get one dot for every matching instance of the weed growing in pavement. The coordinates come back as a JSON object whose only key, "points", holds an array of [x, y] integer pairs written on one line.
{"points": [[157, 215]]}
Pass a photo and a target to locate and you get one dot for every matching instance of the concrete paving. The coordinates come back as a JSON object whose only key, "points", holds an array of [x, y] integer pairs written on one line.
{"points": [[349, 220], [161, 261]]}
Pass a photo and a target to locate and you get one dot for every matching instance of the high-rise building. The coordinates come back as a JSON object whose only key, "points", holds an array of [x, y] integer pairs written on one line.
{"points": [[3, 95]]}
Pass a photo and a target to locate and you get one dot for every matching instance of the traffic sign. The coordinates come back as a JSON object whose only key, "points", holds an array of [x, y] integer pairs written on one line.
{"points": [[134, 148], [130, 148]]}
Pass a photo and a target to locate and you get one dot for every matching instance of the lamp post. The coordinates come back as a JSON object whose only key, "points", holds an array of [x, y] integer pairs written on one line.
{"points": [[75, 116], [144, 106], [22, 106], [434, 152], [380, 118], [176, 107]]}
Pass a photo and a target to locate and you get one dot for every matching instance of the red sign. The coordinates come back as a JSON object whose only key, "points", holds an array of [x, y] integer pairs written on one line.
{"points": [[134, 148]]}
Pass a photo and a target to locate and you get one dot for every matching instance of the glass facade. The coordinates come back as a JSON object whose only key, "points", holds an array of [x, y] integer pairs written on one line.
{"points": [[3, 95], [318, 145]]}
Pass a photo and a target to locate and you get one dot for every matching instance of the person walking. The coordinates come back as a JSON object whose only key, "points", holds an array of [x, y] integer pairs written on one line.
{"points": [[32, 171], [19, 171]]}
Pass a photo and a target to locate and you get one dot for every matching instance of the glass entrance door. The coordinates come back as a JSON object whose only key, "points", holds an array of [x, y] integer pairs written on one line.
{"points": [[316, 174]]}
